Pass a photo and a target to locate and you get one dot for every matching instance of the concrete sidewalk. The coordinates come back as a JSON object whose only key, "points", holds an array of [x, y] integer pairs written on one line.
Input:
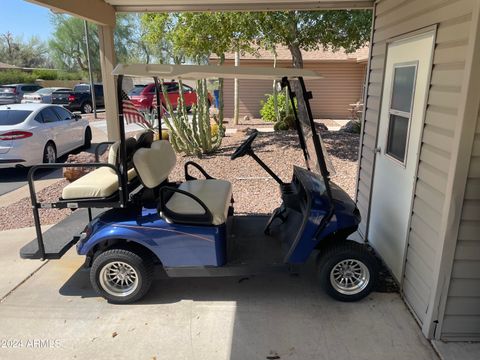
{"points": [[212, 318]]}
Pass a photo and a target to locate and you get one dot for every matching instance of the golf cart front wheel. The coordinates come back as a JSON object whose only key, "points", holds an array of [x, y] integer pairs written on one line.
{"points": [[121, 276], [347, 271]]}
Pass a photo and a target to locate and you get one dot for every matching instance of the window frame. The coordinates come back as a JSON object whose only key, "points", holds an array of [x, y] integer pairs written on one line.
{"points": [[407, 115]]}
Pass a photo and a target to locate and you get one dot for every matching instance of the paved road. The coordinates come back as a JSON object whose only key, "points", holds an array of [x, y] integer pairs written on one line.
{"points": [[12, 179]]}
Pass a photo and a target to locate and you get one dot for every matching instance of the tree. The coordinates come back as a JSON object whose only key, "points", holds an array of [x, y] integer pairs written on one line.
{"points": [[68, 46], [15, 51], [311, 30]]}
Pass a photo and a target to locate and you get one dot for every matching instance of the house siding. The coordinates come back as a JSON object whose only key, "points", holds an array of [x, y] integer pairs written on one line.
{"points": [[462, 311], [342, 85], [394, 18]]}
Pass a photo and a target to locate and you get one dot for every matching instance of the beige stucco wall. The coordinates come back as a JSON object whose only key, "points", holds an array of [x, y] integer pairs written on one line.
{"points": [[342, 85]]}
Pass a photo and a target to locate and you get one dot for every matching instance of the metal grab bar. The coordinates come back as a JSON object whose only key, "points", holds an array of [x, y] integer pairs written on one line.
{"points": [[36, 204]]}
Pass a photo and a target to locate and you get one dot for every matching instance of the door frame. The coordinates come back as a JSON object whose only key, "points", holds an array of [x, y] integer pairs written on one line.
{"points": [[432, 29]]}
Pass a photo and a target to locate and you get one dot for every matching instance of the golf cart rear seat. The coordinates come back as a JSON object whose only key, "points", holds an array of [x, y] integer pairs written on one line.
{"points": [[204, 202], [103, 182]]}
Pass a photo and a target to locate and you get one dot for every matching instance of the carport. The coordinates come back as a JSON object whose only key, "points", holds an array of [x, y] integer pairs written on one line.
{"points": [[433, 165]]}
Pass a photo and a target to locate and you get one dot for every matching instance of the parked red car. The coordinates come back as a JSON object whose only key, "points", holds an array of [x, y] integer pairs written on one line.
{"points": [[142, 96]]}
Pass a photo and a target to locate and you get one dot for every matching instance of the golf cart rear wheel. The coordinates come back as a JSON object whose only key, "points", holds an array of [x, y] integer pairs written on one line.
{"points": [[121, 276], [347, 271]]}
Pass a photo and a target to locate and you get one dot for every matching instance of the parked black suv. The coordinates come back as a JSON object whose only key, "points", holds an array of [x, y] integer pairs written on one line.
{"points": [[80, 98]]}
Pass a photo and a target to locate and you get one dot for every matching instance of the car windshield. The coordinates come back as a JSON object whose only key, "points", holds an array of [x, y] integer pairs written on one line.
{"points": [[137, 90], [13, 117], [45, 91], [312, 138], [7, 89], [82, 88]]}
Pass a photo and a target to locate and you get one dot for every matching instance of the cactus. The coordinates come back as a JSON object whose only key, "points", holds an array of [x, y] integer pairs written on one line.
{"points": [[193, 136]]}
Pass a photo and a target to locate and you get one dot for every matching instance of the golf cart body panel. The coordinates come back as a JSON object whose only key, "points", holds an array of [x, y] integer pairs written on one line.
{"points": [[173, 244]]}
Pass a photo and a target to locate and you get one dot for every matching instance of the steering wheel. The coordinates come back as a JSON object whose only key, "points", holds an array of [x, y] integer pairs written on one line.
{"points": [[244, 147]]}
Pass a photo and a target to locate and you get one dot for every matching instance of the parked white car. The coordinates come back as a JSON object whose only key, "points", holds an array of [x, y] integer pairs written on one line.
{"points": [[32, 134], [43, 95]]}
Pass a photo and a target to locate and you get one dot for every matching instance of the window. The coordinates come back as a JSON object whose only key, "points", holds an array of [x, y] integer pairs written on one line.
{"points": [[172, 87], [13, 117], [49, 115], [400, 111], [187, 88], [63, 114], [82, 88], [98, 90]]}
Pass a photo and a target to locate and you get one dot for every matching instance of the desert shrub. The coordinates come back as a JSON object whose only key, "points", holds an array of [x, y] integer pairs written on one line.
{"points": [[45, 74], [15, 76], [268, 110]]}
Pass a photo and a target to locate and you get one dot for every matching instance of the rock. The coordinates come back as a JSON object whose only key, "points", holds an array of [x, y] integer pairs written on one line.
{"points": [[246, 118], [74, 173], [352, 127], [321, 126]]}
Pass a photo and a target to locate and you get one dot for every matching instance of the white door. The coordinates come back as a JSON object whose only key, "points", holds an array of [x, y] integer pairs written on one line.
{"points": [[406, 83]]}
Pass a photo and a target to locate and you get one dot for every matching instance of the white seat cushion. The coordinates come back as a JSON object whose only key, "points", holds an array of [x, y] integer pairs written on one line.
{"points": [[216, 194], [100, 183]]}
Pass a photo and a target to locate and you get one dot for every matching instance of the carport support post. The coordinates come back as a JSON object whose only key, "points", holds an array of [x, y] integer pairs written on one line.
{"points": [[107, 63]]}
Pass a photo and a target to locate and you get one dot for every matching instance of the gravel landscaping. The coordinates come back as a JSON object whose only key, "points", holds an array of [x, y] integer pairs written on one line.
{"points": [[255, 192]]}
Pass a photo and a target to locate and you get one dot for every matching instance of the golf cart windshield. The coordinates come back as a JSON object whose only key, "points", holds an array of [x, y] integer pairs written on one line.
{"points": [[311, 139]]}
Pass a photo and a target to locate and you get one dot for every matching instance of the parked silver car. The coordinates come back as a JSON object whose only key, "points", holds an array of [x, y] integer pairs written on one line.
{"points": [[32, 134], [13, 93], [42, 96]]}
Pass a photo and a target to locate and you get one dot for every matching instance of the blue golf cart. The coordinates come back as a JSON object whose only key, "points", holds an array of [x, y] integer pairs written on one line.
{"points": [[139, 220]]}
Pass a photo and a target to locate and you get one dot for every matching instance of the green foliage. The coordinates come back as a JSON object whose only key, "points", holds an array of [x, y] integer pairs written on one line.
{"points": [[280, 126], [267, 111], [21, 53], [16, 76], [47, 74], [68, 47], [289, 120]]}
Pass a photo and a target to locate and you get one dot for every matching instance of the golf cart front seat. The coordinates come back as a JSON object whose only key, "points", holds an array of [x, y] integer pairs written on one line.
{"points": [[203, 202], [102, 182]]}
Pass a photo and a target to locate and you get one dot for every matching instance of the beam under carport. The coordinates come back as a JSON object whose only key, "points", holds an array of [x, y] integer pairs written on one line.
{"points": [[96, 11], [222, 5]]}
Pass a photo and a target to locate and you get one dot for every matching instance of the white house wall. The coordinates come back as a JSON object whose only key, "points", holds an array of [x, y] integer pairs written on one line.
{"points": [[395, 18]]}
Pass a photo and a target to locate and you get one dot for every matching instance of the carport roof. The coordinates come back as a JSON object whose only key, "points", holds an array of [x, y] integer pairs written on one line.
{"points": [[103, 11]]}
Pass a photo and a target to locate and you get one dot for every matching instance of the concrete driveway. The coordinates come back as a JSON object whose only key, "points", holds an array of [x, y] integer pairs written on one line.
{"points": [[54, 314]]}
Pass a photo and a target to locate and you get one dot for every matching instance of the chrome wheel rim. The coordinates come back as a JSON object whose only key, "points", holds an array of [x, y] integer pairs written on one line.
{"points": [[349, 276], [51, 156], [118, 278], [87, 108]]}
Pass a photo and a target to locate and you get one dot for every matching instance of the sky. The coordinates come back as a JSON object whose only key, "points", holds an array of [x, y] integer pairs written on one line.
{"points": [[24, 18]]}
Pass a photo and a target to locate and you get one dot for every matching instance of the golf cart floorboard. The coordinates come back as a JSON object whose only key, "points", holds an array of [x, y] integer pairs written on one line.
{"points": [[60, 237], [249, 250], [247, 243]]}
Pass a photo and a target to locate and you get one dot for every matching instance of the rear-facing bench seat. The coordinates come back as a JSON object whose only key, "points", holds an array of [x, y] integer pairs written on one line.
{"points": [[102, 182], [204, 202]]}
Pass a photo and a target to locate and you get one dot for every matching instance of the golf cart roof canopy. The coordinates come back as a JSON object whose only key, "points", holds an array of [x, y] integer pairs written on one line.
{"points": [[194, 72]]}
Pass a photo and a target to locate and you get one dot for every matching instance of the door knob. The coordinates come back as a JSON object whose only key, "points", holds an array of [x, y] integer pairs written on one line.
{"points": [[377, 150]]}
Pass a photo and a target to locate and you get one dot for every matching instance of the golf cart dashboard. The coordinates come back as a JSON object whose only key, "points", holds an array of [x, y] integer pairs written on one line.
{"points": [[305, 186]]}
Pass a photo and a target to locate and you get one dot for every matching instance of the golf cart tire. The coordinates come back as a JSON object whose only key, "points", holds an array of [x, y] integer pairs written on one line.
{"points": [[143, 267], [356, 254]]}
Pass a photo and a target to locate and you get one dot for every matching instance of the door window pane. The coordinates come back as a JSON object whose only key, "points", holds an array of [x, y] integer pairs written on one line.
{"points": [[62, 113], [403, 84], [397, 137], [49, 115]]}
